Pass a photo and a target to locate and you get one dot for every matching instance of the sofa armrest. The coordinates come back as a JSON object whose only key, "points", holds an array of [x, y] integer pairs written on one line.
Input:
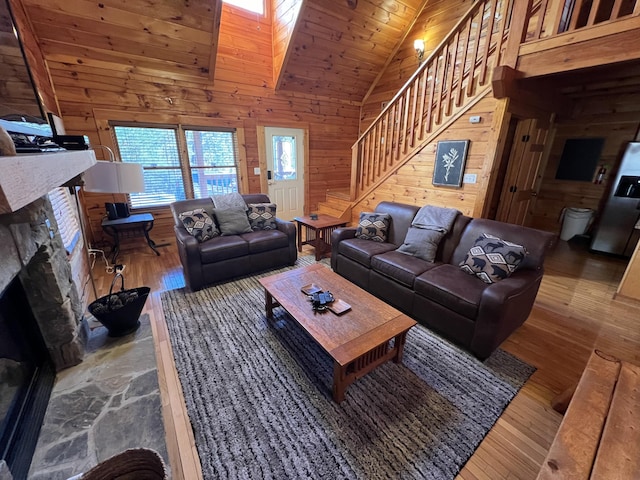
{"points": [[339, 234], [189, 252], [289, 228], [504, 306]]}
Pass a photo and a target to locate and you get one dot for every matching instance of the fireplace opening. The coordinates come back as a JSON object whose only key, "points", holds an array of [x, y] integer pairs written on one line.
{"points": [[26, 380]]}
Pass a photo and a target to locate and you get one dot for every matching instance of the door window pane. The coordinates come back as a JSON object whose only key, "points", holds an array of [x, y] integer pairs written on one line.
{"points": [[284, 158]]}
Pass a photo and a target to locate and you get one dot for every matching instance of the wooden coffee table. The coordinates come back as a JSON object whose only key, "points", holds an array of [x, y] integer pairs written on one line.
{"points": [[359, 340]]}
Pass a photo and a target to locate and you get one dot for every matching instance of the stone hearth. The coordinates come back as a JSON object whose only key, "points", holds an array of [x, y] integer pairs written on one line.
{"points": [[103, 406], [30, 250]]}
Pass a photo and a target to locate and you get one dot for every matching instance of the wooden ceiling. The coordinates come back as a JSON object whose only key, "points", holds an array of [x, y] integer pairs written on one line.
{"points": [[143, 36], [334, 50], [338, 51]]}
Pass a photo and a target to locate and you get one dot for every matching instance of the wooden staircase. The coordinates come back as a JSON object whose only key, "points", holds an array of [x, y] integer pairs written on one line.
{"points": [[450, 81]]}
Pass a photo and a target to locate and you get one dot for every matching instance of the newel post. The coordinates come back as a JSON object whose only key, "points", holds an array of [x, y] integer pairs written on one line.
{"points": [[517, 31]]}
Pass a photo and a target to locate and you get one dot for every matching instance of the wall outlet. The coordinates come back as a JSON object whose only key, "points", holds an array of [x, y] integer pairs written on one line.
{"points": [[475, 119], [256, 170], [470, 178]]}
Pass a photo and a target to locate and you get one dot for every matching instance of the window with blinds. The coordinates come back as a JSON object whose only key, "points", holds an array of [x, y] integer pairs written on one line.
{"points": [[64, 211], [209, 167]]}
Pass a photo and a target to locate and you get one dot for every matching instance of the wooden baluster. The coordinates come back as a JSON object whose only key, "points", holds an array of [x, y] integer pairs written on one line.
{"points": [[463, 65], [432, 95], [453, 54], [423, 94], [636, 9], [474, 55], [414, 108], [440, 80], [356, 170], [615, 11], [482, 78], [595, 6], [377, 137], [405, 119], [365, 161], [575, 14], [542, 12], [504, 14], [399, 109], [386, 142]]}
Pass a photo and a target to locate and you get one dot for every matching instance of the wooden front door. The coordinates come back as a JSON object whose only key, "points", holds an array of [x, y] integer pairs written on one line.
{"points": [[523, 173]]}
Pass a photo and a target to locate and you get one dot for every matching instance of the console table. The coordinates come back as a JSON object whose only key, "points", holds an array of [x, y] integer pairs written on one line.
{"points": [[129, 225], [318, 232]]}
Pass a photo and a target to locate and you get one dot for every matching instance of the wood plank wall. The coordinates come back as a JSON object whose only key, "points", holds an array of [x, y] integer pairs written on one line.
{"points": [[285, 14], [614, 117], [241, 96], [412, 184], [16, 92], [434, 23], [37, 66]]}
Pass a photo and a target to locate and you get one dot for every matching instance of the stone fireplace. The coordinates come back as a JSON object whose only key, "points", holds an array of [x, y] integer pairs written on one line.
{"points": [[31, 251], [41, 325]]}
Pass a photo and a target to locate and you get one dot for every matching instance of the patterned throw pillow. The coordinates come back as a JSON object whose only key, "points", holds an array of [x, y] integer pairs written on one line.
{"points": [[492, 259], [262, 216], [199, 224], [373, 226]]}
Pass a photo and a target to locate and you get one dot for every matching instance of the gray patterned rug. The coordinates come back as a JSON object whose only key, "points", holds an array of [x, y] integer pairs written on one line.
{"points": [[259, 397]]}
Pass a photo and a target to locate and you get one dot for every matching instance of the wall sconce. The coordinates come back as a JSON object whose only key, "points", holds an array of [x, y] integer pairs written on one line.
{"points": [[418, 44]]}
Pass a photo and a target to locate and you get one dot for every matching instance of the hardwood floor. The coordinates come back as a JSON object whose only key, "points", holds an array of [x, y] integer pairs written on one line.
{"points": [[575, 312]]}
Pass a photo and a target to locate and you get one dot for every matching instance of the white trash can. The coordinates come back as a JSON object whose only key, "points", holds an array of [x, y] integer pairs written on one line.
{"points": [[575, 222]]}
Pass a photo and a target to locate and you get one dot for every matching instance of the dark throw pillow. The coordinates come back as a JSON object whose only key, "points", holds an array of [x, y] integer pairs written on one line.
{"points": [[199, 224], [492, 259], [262, 216], [232, 221], [373, 226], [421, 243]]}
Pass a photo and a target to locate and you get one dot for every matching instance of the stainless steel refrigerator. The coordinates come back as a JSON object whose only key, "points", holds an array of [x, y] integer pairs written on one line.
{"points": [[616, 232]]}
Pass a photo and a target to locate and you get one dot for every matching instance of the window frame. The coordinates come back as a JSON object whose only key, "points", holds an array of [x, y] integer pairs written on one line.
{"points": [[185, 167]]}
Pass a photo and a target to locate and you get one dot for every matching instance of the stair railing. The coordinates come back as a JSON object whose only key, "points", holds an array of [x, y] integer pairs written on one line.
{"points": [[446, 82], [547, 18]]}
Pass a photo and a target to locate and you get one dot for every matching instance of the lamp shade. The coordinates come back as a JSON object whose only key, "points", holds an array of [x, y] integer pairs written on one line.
{"points": [[114, 177]]}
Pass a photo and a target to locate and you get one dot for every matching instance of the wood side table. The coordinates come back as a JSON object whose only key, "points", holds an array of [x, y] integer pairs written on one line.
{"points": [[318, 232], [137, 221]]}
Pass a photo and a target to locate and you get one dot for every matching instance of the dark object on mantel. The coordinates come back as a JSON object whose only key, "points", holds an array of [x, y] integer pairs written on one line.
{"points": [[71, 142], [120, 311]]}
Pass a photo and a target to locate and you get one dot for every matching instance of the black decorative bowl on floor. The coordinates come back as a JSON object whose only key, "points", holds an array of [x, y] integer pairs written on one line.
{"points": [[120, 311]]}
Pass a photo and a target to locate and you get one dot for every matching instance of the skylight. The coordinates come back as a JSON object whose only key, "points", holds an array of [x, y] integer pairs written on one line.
{"points": [[256, 6]]}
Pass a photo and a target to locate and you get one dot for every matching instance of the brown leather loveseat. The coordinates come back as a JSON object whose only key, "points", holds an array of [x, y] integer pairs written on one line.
{"points": [[460, 306], [225, 257]]}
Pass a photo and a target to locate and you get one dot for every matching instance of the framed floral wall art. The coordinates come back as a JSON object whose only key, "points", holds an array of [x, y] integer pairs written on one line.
{"points": [[451, 156]]}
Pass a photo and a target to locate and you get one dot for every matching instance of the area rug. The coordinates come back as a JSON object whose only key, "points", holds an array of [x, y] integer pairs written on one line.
{"points": [[259, 396]]}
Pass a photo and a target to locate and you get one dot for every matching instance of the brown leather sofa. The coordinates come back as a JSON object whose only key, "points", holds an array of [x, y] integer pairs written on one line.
{"points": [[225, 257], [473, 314]]}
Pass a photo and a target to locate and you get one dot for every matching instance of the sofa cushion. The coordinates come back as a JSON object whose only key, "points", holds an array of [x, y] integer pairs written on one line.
{"points": [[421, 243], [492, 259], [199, 224], [400, 267], [232, 221], [373, 226], [361, 251], [265, 240], [262, 216], [223, 248], [449, 286]]}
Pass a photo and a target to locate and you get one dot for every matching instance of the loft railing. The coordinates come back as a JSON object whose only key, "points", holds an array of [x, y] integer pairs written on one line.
{"points": [[444, 84], [546, 18]]}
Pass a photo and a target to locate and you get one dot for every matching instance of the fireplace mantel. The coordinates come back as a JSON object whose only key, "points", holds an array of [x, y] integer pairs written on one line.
{"points": [[26, 177]]}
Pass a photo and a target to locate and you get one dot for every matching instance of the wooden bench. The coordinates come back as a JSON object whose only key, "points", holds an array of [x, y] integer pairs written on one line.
{"points": [[599, 437]]}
